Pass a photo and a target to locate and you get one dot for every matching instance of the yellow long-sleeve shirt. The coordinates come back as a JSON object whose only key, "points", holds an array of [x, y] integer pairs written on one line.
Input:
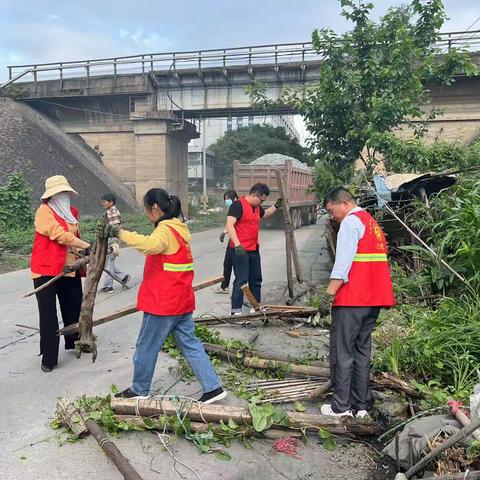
{"points": [[161, 240], [46, 224]]}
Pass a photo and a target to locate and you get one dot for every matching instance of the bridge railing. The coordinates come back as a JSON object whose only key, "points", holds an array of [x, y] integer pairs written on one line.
{"points": [[223, 58]]}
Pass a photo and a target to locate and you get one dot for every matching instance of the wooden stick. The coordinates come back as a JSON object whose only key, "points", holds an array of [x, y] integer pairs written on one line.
{"points": [[386, 380], [452, 440], [86, 342], [264, 364], [73, 419], [215, 413], [82, 262], [112, 451], [251, 298], [198, 427], [321, 390], [288, 221], [123, 312]]}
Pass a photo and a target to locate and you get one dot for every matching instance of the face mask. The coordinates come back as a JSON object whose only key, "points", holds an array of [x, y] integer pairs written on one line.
{"points": [[228, 202]]}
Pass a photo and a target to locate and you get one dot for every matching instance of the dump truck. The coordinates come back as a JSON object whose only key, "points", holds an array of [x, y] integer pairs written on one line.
{"points": [[298, 184]]}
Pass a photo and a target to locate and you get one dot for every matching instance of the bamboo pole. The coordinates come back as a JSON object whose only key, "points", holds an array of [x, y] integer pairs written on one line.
{"points": [[131, 309], [112, 451], [288, 221], [214, 413], [198, 427], [265, 364], [74, 420]]}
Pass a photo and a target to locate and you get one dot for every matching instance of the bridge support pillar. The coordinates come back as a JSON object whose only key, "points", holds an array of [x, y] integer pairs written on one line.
{"points": [[161, 154]]}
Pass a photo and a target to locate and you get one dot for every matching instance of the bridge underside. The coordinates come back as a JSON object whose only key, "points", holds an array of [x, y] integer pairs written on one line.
{"points": [[112, 112]]}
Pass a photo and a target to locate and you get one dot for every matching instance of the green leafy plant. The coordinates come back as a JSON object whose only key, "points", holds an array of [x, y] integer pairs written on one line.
{"points": [[15, 203], [372, 80], [327, 439]]}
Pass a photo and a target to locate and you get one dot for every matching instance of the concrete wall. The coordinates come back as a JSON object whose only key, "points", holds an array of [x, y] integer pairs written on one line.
{"points": [[118, 150]]}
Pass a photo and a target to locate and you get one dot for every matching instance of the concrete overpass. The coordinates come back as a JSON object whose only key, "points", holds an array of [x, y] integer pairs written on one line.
{"points": [[139, 109]]}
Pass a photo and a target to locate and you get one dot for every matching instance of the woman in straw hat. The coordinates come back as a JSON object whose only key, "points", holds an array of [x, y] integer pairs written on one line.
{"points": [[55, 244]]}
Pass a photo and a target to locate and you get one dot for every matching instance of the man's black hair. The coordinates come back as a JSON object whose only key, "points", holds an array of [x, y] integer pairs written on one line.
{"points": [[338, 194], [110, 197], [260, 189]]}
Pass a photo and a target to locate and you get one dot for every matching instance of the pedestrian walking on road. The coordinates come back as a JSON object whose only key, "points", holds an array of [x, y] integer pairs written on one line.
{"points": [[55, 245], [166, 296], [359, 286], [229, 197], [113, 217], [243, 223]]}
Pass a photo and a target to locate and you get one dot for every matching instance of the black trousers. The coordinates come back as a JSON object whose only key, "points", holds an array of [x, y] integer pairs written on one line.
{"points": [[227, 267], [350, 356], [248, 269], [69, 293]]}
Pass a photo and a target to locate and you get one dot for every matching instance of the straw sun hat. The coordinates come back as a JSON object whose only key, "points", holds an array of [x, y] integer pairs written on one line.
{"points": [[56, 184]]}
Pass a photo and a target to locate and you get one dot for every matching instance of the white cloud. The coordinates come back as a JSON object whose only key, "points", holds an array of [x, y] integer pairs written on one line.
{"points": [[144, 39]]}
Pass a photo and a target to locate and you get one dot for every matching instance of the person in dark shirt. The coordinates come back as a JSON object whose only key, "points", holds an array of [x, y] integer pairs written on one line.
{"points": [[243, 224], [229, 197]]}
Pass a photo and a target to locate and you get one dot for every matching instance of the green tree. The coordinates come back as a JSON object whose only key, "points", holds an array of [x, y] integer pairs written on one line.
{"points": [[372, 79], [248, 143], [15, 203]]}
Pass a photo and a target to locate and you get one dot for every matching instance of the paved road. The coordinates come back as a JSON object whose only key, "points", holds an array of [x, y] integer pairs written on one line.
{"points": [[28, 448]]}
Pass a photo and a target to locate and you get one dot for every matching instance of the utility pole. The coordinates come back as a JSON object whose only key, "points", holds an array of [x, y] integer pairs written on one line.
{"points": [[204, 164]]}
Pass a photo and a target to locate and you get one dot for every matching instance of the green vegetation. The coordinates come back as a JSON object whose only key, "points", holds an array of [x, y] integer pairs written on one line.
{"points": [[248, 143], [17, 229], [373, 79], [438, 345]]}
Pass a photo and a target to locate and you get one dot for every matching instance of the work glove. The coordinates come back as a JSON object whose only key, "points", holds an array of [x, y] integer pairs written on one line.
{"points": [[240, 251], [278, 204], [222, 237], [84, 252], [324, 303], [107, 231]]}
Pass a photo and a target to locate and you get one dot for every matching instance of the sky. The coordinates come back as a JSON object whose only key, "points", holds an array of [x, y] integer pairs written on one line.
{"points": [[55, 30]]}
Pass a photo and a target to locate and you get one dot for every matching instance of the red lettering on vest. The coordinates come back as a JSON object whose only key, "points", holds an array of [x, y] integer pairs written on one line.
{"points": [[166, 287], [369, 282]]}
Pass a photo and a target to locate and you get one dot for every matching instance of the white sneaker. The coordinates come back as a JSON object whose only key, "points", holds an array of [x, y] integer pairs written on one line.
{"points": [[326, 409], [362, 414], [219, 289]]}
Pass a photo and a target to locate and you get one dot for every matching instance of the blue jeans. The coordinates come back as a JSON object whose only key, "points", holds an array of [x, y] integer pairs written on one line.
{"points": [[107, 281], [247, 269], [152, 335]]}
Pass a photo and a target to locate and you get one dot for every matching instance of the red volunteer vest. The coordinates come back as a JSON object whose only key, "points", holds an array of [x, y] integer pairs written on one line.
{"points": [[48, 256], [166, 288], [369, 283], [247, 226]]}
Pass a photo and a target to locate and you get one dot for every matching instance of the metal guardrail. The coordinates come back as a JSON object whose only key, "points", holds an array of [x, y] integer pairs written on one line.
{"points": [[223, 58]]}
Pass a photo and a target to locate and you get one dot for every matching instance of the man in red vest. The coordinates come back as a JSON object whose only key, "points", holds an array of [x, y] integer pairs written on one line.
{"points": [[360, 285], [243, 223]]}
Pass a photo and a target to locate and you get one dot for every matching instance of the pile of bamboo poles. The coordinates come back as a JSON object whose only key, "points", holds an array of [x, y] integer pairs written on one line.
{"points": [[286, 390]]}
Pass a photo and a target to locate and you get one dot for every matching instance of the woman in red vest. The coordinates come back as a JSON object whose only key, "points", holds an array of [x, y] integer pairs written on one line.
{"points": [[55, 244], [166, 296], [360, 285]]}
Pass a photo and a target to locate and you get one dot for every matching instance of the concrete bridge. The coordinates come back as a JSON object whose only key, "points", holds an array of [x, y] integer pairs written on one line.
{"points": [[139, 109]]}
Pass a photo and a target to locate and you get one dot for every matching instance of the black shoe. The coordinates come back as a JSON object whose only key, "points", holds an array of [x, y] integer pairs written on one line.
{"points": [[125, 280], [129, 393], [213, 396], [46, 368], [106, 290]]}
